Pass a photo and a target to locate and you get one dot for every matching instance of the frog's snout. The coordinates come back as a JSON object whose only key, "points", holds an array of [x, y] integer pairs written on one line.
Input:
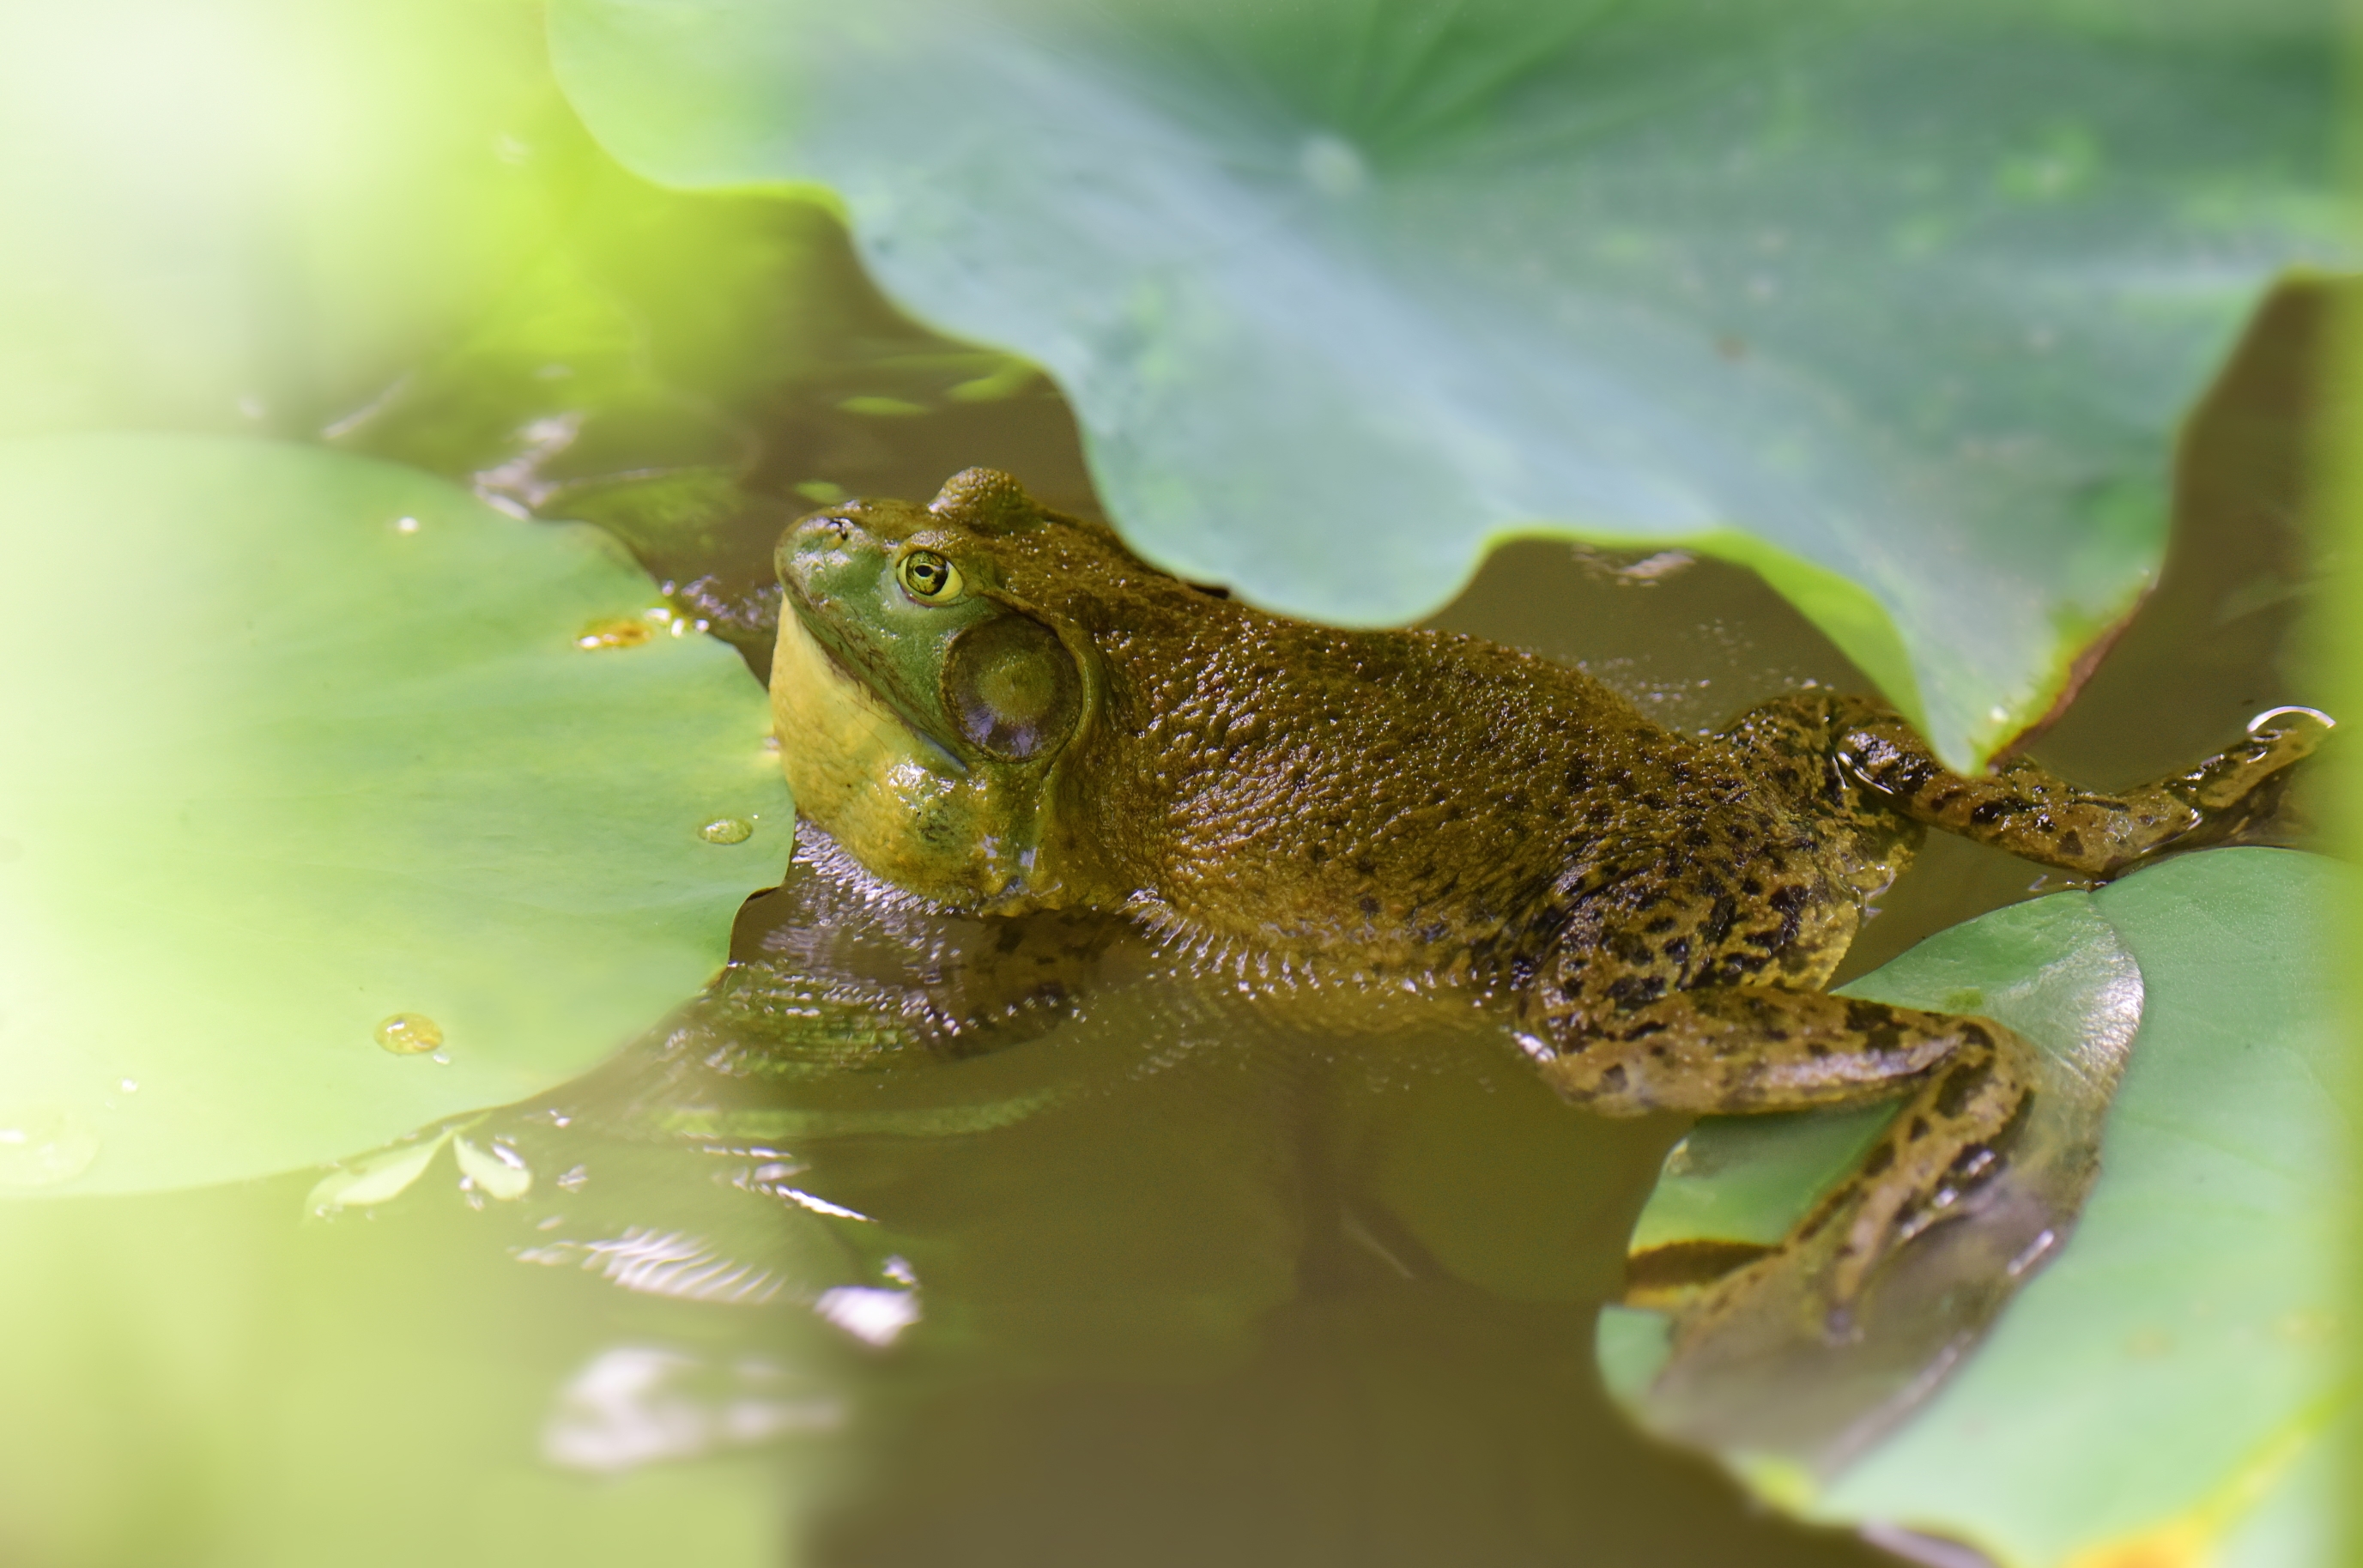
{"points": [[813, 541], [826, 529]]}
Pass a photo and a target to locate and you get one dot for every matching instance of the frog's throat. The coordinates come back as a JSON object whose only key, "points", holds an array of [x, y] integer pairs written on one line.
{"points": [[901, 804]]}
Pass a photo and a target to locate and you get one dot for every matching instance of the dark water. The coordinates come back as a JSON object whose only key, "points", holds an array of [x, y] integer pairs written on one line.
{"points": [[1172, 1283]]}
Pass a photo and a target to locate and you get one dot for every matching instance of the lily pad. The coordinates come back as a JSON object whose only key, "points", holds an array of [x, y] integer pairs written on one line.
{"points": [[2197, 1305], [1900, 306], [336, 803]]}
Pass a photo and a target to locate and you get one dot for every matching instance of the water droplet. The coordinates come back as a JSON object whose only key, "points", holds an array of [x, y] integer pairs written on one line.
{"points": [[41, 1146], [1332, 165], [406, 524], [129, 1085], [410, 1034], [727, 830], [618, 632]]}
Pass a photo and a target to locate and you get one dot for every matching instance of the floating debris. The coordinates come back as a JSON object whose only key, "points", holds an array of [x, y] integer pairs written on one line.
{"points": [[616, 632]]}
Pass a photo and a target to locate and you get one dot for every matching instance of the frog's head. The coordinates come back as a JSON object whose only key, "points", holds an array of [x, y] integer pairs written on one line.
{"points": [[926, 703]]}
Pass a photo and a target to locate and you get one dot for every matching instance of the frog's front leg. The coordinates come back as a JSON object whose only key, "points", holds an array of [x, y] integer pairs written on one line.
{"points": [[1618, 1033], [833, 938]]}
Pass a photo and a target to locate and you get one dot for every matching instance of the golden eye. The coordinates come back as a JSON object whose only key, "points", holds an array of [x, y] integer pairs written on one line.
{"points": [[929, 577]]}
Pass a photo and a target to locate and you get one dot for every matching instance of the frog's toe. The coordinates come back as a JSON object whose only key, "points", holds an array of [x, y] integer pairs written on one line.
{"points": [[2240, 779], [2308, 726]]}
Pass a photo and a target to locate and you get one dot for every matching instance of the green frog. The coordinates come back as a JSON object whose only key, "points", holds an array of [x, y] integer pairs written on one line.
{"points": [[997, 712]]}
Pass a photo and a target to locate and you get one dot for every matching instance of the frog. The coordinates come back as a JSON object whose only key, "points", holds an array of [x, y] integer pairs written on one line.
{"points": [[997, 711]]}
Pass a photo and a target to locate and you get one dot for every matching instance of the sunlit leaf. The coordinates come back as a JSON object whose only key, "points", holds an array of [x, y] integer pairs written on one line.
{"points": [[338, 803], [1899, 303], [2197, 1305]]}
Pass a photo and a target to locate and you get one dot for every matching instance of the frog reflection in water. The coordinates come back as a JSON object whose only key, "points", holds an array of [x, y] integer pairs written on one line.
{"points": [[1001, 712]]}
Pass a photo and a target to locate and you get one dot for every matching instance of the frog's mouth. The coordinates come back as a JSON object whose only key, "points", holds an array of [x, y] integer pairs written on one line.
{"points": [[816, 647], [839, 662]]}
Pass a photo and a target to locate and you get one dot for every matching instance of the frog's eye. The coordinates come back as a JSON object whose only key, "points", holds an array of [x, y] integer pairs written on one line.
{"points": [[929, 577]]}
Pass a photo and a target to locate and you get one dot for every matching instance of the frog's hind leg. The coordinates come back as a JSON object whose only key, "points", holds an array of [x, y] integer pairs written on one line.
{"points": [[1626, 1043], [2033, 813]]}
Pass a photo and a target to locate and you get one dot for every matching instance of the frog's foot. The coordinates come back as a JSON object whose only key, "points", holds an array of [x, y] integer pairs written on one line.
{"points": [[1948, 1141], [2239, 789], [1761, 1048], [2035, 813]]}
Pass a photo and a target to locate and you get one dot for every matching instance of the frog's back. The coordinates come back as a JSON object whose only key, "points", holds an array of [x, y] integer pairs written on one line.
{"points": [[1418, 803], [1409, 804]]}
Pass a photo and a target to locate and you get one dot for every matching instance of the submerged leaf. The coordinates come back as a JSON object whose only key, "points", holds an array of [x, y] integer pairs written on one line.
{"points": [[380, 1178], [497, 1172], [322, 821]]}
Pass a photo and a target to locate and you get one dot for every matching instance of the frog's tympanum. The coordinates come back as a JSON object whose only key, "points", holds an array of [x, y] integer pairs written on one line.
{"points": [[998, 711]]}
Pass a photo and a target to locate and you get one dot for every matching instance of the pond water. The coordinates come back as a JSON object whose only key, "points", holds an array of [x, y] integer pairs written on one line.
{"points": [[1174, 1280]]}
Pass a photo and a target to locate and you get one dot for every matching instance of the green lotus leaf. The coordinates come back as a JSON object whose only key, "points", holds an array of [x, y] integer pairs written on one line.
{"points": [[2198, 1303], [1899, 305], [336, 803]]}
